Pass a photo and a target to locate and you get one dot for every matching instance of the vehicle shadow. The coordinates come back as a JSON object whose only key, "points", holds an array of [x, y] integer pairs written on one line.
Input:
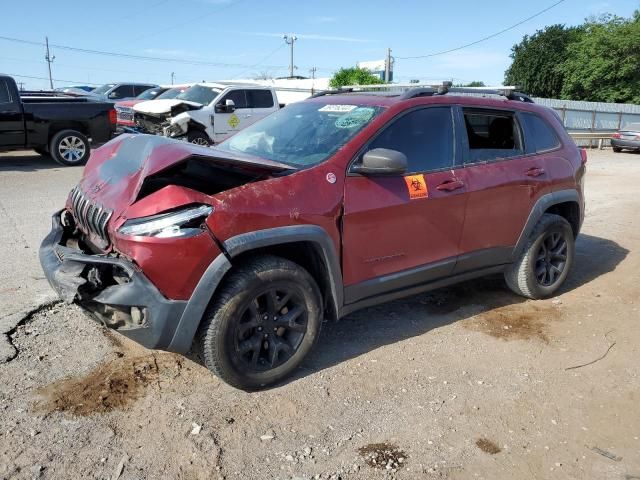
{"points": [[27, 162], [369, 329]]}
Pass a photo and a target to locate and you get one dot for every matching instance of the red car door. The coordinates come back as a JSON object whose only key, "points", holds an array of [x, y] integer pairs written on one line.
{"points": [[502, 182], [404, 230]]}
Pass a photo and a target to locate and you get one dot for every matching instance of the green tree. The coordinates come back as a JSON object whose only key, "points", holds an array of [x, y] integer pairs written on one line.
{"points": [[604, 64], [353, 76], [475, 83], [538, 60]]}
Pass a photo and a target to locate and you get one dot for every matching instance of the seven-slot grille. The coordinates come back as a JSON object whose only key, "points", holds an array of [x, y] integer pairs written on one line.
{"points": [[91, 218], [125, 114]]}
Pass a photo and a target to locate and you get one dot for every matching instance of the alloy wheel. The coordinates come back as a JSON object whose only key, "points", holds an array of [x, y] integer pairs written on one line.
{"points": [[551, 259], [72, 148]]}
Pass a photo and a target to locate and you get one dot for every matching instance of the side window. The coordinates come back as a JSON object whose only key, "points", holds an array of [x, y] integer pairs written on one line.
{"points": [[5, 97], [259, 98], [138, 89], [539, 136], [491, 135], [425, 136], [123, 91], [238, 97]]}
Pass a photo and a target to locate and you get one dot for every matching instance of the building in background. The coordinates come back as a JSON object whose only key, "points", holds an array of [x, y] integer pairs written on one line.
{"points": [[376, 67]]}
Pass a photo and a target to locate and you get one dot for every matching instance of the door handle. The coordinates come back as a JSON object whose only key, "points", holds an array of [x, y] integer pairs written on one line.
{"points": [[534, 172], [450, 185], [247, 115]]}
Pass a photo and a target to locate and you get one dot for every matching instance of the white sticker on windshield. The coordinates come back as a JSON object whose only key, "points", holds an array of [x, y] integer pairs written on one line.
{"points": [[337, 108]]}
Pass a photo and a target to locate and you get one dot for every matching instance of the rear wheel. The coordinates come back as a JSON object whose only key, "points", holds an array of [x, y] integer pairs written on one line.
{"points": [[70, 147], [198, 137], [617, 149], [262, 323], [545, 262]]}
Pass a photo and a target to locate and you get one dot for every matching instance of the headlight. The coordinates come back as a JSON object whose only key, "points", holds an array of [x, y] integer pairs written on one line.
{"points": [[182, 223]]}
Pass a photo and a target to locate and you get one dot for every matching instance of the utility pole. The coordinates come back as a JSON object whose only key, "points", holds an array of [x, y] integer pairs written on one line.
{"points": [[290, 40], [49, 60], [387, 67], [313, 78], [173, 74]]}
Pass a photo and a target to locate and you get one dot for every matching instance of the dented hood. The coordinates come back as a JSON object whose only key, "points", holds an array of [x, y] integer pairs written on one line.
{"points": [[116, 171], [163, 106]]}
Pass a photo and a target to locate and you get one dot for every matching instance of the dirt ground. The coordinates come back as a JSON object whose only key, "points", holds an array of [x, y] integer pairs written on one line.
{"points": [[462, 383]]}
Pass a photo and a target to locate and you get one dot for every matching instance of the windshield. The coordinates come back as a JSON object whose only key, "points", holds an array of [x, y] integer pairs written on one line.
{"points": [[173, 93], [199, 94], [150, 94], [302, 134], [104, 88]]}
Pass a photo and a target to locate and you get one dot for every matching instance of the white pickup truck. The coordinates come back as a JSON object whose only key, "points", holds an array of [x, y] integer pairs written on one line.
{"points": [[206, 113]]}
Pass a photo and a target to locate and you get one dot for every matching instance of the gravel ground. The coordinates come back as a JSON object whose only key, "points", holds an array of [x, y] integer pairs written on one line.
{"points": [[465, 382]]}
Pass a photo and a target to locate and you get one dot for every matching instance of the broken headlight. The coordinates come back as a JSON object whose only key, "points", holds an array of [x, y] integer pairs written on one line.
{"points": [[181, 223], [173, 130]]}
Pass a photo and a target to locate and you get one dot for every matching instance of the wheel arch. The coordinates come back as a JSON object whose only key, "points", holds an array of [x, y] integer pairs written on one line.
{"points": [[566, 203], [57, 127], [308, 245]]}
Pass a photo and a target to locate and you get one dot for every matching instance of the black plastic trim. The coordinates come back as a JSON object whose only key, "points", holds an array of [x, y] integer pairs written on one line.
{"points": [[234, 246]]}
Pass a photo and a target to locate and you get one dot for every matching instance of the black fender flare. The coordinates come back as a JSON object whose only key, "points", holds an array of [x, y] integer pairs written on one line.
{"points": [[542, 205], [189, 321], [234, 246]]}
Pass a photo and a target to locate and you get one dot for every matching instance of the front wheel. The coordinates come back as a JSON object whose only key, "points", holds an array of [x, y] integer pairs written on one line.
{"points": [[70, 148], [545, 262], [199, 138], [262, 323]]}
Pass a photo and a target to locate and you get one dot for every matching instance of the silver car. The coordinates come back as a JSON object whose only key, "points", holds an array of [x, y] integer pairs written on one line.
{"points": [[115, 92], [626, 138]]}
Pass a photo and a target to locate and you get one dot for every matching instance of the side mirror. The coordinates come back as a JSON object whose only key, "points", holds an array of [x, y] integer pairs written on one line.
{"points": [[382, 161], [113, 95], [228, 107]]}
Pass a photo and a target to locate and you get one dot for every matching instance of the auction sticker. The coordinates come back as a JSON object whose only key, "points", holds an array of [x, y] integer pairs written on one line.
{"points": [[416, 186], [337, 108], [234, 121]]}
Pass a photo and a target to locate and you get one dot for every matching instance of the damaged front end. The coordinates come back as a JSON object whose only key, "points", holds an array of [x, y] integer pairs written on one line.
{"points": [[170, 123], [109, 287]]}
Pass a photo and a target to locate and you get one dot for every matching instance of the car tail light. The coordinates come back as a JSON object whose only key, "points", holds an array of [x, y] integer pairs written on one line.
{"points": [[113, 117], [583, 155], [615, 135]]}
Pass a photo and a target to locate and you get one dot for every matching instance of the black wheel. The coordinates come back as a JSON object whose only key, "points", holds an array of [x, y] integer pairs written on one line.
{"points": [[262, 323], [545, 262], [617, 149], [198, 137], [70, 147]]}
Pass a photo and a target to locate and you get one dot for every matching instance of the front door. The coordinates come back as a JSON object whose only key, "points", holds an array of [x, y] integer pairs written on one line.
{"points": [[404, 230], [11, 122], [226, 124]]}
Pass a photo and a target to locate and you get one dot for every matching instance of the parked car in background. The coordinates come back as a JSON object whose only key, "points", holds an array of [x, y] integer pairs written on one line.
{"points": [[86, 88], [77, 90], [627, 138], [206, 113], [124, 108], [112, 92], [327, 206], [63, 126]]}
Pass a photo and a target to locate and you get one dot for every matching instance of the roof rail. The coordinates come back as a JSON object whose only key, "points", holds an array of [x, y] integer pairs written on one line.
{"points": [[413, 90]]}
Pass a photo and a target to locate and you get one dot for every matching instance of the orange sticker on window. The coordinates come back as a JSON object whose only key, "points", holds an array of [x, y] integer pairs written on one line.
{"points": [[416, 186]]}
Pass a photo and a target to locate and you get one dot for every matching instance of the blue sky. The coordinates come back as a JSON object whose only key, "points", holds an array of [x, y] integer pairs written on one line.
{"points": [[243, 37]]}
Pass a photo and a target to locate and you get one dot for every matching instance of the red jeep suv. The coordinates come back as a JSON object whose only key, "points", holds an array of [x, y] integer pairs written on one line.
{"points": [[337, 203]]}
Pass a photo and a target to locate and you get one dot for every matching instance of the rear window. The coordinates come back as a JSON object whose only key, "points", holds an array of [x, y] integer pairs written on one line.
{"points": [[5, 97], [539, 136], [259, 98], [491, 135]]}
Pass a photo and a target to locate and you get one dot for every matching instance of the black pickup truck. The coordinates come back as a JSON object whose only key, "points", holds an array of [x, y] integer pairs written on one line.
{"points": [[59, 125]]}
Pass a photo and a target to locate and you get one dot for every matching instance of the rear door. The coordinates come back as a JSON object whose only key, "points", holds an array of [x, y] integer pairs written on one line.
{"points": [[12, 132], [226, 124], [502, 180], [404, 230], [261, 102]]}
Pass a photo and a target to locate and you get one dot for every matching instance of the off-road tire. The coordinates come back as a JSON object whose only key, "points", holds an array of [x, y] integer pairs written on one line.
{"points": [[199, 138], [65, 138], [222, 321], [521, 276], [617, 149]]}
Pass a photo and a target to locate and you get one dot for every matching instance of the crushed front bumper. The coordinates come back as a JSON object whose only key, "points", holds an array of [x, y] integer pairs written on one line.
{"points": [[112, 290]]}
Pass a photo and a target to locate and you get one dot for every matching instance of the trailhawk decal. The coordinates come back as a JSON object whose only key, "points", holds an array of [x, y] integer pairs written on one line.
{"points": [[416, 186]]}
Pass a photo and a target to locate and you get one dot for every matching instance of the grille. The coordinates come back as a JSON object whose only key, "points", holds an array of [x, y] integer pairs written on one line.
{"points": [[127, 116], [90, 217]]}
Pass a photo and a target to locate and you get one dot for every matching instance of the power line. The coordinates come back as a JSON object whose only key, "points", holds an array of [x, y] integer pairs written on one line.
{"points": [[54, 79], [134, 56], [267, 57], [484, 38]]}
